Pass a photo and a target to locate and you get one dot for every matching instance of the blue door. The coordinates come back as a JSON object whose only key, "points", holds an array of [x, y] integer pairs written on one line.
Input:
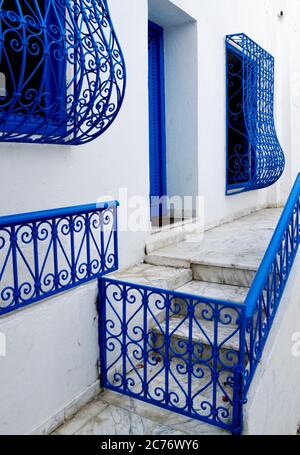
{"points": [[158, 184]]}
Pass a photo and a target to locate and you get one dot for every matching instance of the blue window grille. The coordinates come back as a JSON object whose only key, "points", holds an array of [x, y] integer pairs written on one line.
{"points": [[64, 71], [254, 156], [45, 253]]}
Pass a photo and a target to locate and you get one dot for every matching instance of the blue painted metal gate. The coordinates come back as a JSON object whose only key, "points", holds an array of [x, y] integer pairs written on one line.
{"points": [[156, 116], [189, 354]]}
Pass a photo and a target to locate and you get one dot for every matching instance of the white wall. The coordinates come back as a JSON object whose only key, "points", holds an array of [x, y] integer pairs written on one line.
{"points": [[182, 109], [51, 358], [293, 28]]}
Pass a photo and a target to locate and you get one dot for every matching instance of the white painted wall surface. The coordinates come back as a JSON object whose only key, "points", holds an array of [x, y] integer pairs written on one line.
{"points": [[51, 358], [293, 26], [182, 109]]}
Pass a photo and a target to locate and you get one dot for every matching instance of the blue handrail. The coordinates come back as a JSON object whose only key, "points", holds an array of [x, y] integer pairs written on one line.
{"points": [[48, 252], [54, 213], [272, 250]]}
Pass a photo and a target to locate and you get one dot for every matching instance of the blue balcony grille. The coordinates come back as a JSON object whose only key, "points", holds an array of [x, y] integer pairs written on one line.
{"points": [[63, 69], [45, 253], [254, 156]]}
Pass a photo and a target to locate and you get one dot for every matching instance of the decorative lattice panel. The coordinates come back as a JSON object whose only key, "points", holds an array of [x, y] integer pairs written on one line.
{"points": [[254, 156], [62, 71]]}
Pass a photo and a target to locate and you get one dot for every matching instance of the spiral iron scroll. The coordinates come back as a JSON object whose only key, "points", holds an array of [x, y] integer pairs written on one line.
{"points": [[45, 256], [64, 71], [255, 158], [177, 351]]}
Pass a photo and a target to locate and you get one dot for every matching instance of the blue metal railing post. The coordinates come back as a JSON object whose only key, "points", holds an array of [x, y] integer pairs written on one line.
{"points": [[102, 331]]}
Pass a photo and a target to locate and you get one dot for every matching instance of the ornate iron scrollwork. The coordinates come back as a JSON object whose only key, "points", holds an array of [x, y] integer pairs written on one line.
{"points": [[254, 156], [64, 71]]}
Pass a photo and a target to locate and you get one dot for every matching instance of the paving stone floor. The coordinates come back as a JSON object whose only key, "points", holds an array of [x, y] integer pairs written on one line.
{"points": [[115, 414]]}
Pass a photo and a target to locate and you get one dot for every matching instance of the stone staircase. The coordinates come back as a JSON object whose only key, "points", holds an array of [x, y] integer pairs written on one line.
{"points": [[219, 264]]}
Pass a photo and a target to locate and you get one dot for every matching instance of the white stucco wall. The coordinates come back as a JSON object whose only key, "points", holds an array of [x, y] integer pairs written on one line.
{"points": [[293, 29], [182, 109], [51, 358], [52, 347]]}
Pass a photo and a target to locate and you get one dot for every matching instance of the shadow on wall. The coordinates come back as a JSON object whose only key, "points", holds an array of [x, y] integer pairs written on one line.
{"points": [[181, 88]]}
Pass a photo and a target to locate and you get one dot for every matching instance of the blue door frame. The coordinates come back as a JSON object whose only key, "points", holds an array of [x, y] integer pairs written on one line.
{"points": [[157, 128]]}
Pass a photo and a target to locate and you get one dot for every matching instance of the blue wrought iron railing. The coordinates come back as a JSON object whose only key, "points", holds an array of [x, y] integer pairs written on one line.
{"points": [[189, 354], [184, 353], [45, 253], [63, 69], [154, 346], [254, 156], [268, 286]]}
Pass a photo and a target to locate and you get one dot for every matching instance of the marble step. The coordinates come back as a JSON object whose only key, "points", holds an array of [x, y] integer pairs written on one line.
{"points": [[229, 254], [172, 234], [202, 337], [222, 272], [162, 239], [209, 268], [156, 276], [233, 275], [202, 390], [178, 424], [215, 291]]}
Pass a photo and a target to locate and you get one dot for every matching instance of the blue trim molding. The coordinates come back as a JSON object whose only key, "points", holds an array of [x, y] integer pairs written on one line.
{"points": [[254, 156], [64, 71]]}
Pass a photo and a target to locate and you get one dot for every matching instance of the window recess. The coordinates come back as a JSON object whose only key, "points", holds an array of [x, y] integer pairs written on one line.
{"points": [[254, 156]]}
